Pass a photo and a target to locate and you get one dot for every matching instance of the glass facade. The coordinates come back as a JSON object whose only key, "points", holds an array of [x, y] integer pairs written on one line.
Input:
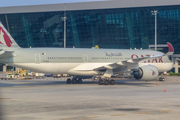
{"points": [[109, 28]]}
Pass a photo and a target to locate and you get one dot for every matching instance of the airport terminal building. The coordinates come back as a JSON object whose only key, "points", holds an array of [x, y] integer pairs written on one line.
{"points": [[116, 24]]}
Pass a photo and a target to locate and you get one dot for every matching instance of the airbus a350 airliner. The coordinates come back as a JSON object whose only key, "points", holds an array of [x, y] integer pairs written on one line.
{"points": [[146, 64]]}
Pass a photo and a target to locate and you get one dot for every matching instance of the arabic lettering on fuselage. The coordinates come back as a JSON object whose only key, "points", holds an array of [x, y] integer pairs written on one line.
{"points": [[113, 54]]}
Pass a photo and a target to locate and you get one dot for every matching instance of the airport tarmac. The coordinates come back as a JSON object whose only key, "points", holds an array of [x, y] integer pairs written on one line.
{"points": [[129, 99]]}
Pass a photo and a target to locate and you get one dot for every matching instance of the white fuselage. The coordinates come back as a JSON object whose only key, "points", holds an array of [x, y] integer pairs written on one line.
{"points": [[80, 61]]}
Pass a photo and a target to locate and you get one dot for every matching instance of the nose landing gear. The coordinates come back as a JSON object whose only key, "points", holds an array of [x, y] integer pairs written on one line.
{"points": [[161, 78]]}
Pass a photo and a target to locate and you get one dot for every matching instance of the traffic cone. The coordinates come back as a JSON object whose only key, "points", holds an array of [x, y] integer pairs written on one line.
{"points": [[157, 83], [164, 89]]}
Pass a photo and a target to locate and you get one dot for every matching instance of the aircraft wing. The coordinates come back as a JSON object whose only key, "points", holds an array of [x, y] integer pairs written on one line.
{"points": [[4, 54], [137, 60]]}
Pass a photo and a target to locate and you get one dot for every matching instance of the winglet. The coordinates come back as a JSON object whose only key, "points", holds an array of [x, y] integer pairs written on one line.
{"points": [[170, 49]]}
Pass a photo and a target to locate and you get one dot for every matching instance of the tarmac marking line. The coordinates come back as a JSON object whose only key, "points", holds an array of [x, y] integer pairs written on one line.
{"points": [[166, 111], [90, 117], [4, 98], [143, 113], [118, 115]]}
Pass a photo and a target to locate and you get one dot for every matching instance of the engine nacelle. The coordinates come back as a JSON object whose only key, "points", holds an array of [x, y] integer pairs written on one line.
{"points": [[146, 73]]}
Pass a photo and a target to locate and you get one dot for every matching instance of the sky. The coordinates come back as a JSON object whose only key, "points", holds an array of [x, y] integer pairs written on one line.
{"points": [[6, 3]]}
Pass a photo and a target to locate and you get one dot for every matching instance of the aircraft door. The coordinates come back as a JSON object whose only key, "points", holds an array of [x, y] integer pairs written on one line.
{"points": [[85, 57], [37, 58]]}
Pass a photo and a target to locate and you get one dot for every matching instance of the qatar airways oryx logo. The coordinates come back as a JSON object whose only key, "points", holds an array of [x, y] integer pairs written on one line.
{"points": [[4, 38], [153, 73]]}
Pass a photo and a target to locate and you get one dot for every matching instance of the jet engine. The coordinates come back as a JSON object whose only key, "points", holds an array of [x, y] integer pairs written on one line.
{"points": [[146, 73]]}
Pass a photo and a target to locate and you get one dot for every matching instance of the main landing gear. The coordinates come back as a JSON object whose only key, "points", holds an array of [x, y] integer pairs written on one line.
{"points": [[74, 81], [106, 81], [102, 81]]}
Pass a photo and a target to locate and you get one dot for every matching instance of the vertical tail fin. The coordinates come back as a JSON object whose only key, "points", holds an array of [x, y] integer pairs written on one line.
{"points": [[6, 40]]}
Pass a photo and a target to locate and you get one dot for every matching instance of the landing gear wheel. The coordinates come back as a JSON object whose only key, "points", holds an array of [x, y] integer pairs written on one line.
{"points": [[74, 81], [68, 81], [112, 82], [101, 82], [161, 79], [79, 81], [106, 82]]}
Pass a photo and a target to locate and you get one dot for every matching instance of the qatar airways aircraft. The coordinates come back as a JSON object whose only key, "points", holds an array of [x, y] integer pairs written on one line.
{"points": [[146, 64]]}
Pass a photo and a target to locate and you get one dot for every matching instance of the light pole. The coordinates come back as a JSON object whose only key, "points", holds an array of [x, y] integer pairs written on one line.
{"points": [[64, 19], [155, 14]]}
